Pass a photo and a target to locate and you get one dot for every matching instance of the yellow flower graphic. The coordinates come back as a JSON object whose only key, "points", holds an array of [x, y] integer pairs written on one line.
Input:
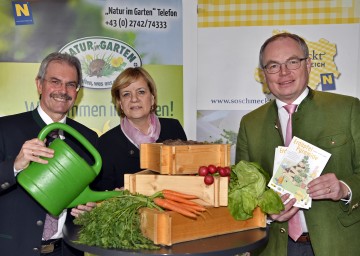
{"points": [[89, 57], [106, 127], [116, 62]]}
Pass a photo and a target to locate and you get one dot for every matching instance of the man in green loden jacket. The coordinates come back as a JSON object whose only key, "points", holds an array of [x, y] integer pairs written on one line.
{"points": [[327, 120]]}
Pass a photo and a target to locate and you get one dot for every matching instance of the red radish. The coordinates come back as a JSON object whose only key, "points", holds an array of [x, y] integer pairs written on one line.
{"points": [[208, 179], [222, 171], [212, 169], [227, 170], [203, 171]]}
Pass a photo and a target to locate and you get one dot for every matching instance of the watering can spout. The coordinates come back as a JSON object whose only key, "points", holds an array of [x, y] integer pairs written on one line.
{"points": [[89, 195]]}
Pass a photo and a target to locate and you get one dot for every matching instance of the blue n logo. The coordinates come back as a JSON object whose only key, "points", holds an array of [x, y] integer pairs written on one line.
{"points": [[22, 13], [327, 81]]}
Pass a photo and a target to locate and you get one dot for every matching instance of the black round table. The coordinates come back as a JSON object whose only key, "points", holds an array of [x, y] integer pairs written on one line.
{"points": [[229, 244]]}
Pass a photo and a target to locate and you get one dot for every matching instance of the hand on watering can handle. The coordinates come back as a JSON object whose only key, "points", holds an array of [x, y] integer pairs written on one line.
{"points": [[80, 209], [31, 151]]}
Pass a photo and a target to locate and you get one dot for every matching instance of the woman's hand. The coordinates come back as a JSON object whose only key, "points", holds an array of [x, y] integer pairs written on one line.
{"points": [[80, 209]]}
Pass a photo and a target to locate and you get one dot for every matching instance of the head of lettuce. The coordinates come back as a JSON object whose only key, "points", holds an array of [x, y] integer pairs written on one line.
{"points": [[247, 190]]}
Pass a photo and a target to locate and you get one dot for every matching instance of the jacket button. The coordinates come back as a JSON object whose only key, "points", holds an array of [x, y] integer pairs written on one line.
{"points": [[35, 249], [282, 230], [131, 152], [5, 185], [39, 223]]}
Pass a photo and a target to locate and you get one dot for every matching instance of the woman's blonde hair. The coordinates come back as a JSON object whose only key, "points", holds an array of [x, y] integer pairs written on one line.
{"points": [[127, 77]]}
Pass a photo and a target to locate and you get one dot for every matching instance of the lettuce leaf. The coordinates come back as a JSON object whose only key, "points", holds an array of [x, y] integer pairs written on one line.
{"points": [[270, 202], [247, 190]]}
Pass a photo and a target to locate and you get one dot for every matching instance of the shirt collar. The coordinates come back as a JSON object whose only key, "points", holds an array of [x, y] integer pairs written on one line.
{"points": [[46, 118], [302, 96]]}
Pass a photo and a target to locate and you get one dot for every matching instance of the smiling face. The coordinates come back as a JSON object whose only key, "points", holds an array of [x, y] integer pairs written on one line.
{"points": [[286, 85], [56, 100], [136, 100]]}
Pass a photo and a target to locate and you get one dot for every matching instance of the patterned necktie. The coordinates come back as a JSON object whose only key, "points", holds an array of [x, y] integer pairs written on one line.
{"points": [[51, 222], [50, 227], [54, 134], [295, 229]]}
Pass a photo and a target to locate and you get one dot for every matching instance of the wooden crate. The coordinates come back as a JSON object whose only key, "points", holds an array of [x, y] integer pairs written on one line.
{"points": [[167, 228], [182, 159], [148, 182]]}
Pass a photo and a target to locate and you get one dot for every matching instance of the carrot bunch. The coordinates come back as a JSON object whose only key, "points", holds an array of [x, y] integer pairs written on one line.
{"points": [[180, 203]]}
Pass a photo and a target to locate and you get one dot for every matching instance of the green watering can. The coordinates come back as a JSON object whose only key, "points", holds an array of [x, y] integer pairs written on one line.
{"points": [[64, 181]]}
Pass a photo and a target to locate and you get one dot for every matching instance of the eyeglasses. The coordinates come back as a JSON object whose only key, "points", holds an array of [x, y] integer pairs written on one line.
{"points": [[291, 64], [56, 83]]}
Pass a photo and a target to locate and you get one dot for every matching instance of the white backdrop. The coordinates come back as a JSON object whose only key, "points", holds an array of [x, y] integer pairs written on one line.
{"points": [[227, 58]]}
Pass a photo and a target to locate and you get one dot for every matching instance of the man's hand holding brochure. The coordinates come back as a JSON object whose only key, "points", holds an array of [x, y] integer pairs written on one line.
{"points": [[294, 167]]}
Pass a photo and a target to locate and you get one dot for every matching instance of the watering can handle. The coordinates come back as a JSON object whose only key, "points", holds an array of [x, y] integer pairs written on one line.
{"points": [[60, 126]]}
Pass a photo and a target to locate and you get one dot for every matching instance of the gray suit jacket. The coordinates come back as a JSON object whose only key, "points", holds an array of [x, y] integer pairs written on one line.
{"points": [[331, 122]]}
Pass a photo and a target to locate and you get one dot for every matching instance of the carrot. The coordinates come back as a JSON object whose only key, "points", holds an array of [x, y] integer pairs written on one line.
{"points": [[198, 208], [178, 199], [164, 203], [192, 208], [179, 194], [186, 205]]}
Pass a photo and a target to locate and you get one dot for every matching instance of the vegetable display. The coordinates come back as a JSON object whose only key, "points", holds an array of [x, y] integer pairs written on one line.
{"points": [[247, 190], [115, 222]]}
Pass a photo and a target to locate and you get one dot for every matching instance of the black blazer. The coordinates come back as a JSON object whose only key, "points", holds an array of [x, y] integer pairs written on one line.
{"points": [[21, 217], [120, 156]]}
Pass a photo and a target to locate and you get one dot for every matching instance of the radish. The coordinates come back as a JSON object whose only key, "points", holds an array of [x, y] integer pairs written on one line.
{"points": [[203, 171], [208, 179]]}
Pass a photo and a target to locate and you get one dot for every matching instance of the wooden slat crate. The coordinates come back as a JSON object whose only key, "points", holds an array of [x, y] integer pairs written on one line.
{"points": [[148, 182], [182, 159], [168, 228]]}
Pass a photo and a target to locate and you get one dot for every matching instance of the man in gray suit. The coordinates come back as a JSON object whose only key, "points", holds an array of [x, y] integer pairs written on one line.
{"points": [[327, 120], [22, 218]]}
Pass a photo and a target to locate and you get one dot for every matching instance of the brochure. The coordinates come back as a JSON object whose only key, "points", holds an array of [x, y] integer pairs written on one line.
{"points": [[294, 167]]}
